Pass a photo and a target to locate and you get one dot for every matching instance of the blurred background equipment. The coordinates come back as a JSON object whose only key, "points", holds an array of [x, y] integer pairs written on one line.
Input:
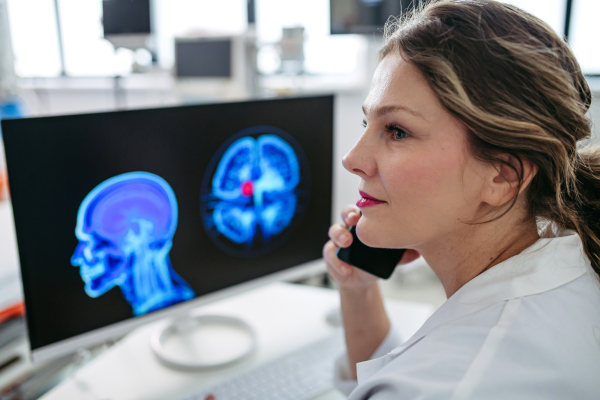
{"points": [[203, 57], [211, 66], [11, 305], [8, 83], [127, 23], [10, 105], [291, 50], [365, 16], [126, 17]]}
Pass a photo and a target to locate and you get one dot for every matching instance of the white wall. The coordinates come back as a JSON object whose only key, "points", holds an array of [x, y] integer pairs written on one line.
{"points": [[348, 128]]}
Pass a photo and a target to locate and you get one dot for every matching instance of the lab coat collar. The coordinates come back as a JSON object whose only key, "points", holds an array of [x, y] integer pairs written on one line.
{"points": [[554, 260]]}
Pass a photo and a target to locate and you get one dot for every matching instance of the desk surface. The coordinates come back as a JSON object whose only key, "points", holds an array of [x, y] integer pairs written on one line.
{"points": [[285, 317]]}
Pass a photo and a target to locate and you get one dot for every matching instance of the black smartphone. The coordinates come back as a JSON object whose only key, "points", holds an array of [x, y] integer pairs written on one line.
{"points": [[379, 262]]}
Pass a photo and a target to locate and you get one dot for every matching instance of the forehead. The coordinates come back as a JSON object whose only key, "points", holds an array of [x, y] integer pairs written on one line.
{"points": [[396, 81]]}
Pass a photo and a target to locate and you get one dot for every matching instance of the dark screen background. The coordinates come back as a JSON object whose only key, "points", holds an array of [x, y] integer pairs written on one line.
{"points": [[126, 16], [365, 16], [54, 162]]}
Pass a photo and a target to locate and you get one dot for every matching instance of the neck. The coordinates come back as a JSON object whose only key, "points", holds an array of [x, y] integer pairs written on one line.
{"points": [[461, 256]]}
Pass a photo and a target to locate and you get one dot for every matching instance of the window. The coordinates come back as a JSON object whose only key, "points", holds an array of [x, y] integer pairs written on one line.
{"points": [[585, 33], [550, 11], [86, 52], [34, 37], [36, 46]]}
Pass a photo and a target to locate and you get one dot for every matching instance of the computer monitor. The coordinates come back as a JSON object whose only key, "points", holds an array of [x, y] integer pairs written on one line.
{"points": [[365, 16], [203, 57], [126, 217], [126, 17], [127, 23]]}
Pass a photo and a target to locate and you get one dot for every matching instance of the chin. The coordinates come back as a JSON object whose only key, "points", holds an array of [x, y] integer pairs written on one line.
{"points": [[373, 234], [368, 233]]}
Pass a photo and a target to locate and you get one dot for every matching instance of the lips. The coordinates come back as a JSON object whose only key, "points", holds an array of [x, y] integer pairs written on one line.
{"points": [[367, 200]]}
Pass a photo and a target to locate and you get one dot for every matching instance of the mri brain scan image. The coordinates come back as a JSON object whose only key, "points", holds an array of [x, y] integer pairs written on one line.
{"points": [[254, 190], [125, 228]]}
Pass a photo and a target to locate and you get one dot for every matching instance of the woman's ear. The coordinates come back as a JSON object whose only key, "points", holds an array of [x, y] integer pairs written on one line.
{"points": [[502, 181]]}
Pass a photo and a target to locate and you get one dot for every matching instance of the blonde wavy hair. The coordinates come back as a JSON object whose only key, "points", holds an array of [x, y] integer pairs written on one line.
{"points": [[518, 89]]}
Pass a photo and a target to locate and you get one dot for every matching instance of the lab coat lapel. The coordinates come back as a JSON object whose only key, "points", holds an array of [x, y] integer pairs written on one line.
{"points": [[446, 312], [366, 369]]}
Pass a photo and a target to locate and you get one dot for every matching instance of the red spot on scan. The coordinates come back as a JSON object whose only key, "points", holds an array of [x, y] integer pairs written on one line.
{"points": [[247, 189]]}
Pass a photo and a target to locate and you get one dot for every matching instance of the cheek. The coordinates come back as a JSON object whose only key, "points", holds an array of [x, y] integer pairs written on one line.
{"points": [[426, 193], [424, 177]]}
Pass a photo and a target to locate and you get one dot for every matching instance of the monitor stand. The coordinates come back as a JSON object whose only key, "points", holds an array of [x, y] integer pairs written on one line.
{"points": [[203, 342]]}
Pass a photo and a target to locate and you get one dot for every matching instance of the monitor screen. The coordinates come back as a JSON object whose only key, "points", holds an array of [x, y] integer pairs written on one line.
{"points": [[203, 58], [126, 16], [121, 214], [365, 16]]}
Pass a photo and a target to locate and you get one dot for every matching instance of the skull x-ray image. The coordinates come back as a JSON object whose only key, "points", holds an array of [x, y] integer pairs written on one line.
{"points": [[256, 187], [125, 228]]}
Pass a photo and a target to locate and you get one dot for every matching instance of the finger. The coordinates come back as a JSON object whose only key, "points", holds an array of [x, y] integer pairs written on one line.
{"points": [[341, 273], [340, 235], [336, 267], [409, 255], [352, 219], [351, 215], [349, 209], [210, 397]]}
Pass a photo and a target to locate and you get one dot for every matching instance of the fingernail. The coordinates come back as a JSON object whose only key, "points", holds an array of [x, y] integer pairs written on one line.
{"points": [[352, 214]]}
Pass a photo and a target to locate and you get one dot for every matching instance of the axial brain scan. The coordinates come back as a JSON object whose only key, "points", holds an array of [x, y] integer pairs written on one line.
{"points": [[256, 190], [125, 228]]}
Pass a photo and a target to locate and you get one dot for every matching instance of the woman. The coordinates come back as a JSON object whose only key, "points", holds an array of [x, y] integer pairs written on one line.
{"points": [[470, 158]]}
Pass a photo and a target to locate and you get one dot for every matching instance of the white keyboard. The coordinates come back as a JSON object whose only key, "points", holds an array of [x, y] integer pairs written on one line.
{"points": [[300, 375]]}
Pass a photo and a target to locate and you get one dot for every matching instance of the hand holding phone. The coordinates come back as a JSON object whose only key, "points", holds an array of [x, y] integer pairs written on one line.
{"points": [[379, 262]]}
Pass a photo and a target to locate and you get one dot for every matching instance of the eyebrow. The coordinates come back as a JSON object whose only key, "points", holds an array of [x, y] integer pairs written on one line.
{"points": [[381, 111]]}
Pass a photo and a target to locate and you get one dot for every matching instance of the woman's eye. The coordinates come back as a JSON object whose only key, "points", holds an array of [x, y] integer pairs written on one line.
{"points": [[397, 132], [364, 123]]}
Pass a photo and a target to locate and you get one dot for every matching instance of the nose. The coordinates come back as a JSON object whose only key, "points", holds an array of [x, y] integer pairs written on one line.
{"points": [[83, 254], [78, 254], [360, 159]]}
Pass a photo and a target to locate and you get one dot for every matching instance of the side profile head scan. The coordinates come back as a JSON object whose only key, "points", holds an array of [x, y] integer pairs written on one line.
{"points": [[125, 228]]}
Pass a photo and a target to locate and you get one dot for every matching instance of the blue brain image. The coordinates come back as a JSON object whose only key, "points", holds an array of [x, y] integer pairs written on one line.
{"points": [[255, 184], [125, 227]]}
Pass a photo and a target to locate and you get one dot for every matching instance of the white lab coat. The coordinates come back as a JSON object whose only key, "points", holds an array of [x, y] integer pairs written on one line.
{"points": [[527, 328]]}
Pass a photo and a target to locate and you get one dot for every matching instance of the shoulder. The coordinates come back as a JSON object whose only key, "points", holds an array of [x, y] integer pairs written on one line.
{"points": [[549, 349], [541, 346]]}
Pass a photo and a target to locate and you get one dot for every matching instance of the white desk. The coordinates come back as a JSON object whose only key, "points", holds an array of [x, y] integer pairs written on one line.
{"points": [[285, 317]]}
